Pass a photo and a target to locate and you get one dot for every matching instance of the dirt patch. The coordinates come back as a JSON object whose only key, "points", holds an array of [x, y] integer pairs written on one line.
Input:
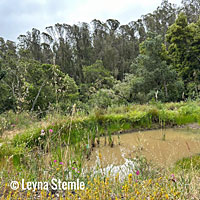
{"points": [[9, 134]]}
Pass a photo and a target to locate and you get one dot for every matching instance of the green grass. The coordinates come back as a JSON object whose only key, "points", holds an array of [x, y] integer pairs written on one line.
{"points": [[188, 164]]}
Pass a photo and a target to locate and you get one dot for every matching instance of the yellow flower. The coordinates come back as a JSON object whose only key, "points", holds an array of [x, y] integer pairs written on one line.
{"points": [[130, 175], [107, 181], [129, 178], [117, 177], [100, 156], [28, 194]]}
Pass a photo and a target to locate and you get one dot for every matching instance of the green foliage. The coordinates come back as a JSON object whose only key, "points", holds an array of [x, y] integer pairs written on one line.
{"points": [[103, 98], [97, 76], [33, 86], [187, 164], [95, 72], [159, 79], [184, 52], [130, 89]]}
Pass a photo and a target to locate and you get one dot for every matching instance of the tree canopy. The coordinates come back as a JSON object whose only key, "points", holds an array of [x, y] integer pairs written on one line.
{"points": [[102, 63]]}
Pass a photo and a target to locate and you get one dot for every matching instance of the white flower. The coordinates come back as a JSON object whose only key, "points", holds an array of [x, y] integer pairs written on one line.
{"points": [[42, 132]]}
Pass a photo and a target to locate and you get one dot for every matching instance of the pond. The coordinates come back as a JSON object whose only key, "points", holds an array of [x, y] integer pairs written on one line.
{"points": [[161, 147]]}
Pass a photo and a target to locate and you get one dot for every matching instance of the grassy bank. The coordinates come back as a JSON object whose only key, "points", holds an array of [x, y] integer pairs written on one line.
{"points": [[74, 129]]}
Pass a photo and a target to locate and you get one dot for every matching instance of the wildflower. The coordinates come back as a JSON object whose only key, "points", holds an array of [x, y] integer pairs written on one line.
{"points": [[100, 156], [42, 132], [129, 178], [137, 172], [173, 178], [73, 168], [61, 163], [55, 161], [28, 194], [51, 130], [117, 177], [107, 181], [78, 172]]}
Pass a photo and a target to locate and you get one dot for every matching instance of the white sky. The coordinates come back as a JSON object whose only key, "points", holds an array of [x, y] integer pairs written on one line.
{"points": [[19, 16]]}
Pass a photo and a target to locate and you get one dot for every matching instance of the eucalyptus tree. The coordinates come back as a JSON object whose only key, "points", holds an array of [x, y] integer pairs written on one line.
{"points": [[46, 46], [75, 49], [159, 20], [128, 48], [99, 35], [100, 39], [140, 28], [192, 9], [30, 45], [58, 45]]}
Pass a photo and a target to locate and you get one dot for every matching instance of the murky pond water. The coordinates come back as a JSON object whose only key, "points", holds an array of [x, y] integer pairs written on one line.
{"points": [[178, 143]]}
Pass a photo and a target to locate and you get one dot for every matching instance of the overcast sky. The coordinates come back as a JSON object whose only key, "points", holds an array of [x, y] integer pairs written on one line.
{"points": [[19, 16]]}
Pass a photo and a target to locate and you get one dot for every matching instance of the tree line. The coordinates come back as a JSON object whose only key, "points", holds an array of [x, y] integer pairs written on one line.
{"points": [[104, 63]]}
